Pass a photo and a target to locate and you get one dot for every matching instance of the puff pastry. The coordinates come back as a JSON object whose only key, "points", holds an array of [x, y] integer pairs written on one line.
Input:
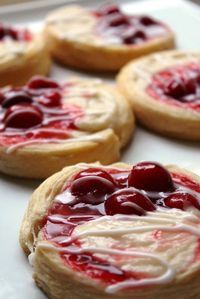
{"points": [[163, 89], [104, 39], [21, 52], [45, 126], [93, 231]]}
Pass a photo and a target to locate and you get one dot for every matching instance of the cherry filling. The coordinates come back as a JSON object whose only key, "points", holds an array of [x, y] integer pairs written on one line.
{"points": [[178, 85], [36, 111], [96, 192], [8, 32], [126, 29]]}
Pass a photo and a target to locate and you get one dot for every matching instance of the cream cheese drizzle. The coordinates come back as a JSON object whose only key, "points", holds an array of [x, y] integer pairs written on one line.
{"points": [[166, 277], [93, 138], [161, 220]]}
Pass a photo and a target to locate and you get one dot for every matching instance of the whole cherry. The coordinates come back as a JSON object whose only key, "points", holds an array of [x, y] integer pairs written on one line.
{"points": [[40, 82], [95, 171], [15, 97], [22, 117], [128, 201], [150, 176], [181, 200], [91, 189]]}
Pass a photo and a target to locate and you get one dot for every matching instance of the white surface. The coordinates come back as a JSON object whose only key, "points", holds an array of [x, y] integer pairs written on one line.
{"points": [[15, 275]]}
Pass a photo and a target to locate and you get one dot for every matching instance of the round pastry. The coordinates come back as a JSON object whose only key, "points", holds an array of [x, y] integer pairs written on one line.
{"points": [[115, 232], [164, 90], [45, 126], [22, 55], [104, 39]]}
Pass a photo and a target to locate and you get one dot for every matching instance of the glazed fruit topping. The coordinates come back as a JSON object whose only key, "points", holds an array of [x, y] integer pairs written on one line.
{"points": [[37, 109], [97, 191], [39, 82], [128, 201], [180, 84], [13, 98], [23, 117], [107, 10], [130, 30], [181, 200], [14, 34], [136, 191], [150, 177], [92, 189]]}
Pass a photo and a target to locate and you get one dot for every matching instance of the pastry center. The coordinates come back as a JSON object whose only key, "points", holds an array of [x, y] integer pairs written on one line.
{"points": [[96, 196], [129, 30], [180, 85]]}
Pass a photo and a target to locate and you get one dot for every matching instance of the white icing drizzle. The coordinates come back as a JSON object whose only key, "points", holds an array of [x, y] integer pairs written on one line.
{"points": [[176, 220], [166, 277], [31, 258], [94, 138], [39, 130]]}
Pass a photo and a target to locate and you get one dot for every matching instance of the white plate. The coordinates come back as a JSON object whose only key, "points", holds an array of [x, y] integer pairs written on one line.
{"points": [[184, 18]]}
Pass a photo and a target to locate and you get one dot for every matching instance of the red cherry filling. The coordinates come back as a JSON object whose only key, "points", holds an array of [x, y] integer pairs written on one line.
{"points": [[23, 117], [14, 34], [39, 82], [38, 106], [92, 188], [181, 200], [147, 21], [50, 99], [127, 29], [150, 176], [95, 172], [117, 20], [133, 36], [108, 10], [128, 201], [178, 85], [107, 199], [17, 97]]}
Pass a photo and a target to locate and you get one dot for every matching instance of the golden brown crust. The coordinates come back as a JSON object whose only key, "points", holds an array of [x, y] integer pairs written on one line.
{"points": [[91, 56], [34, 60], [59, 281], [42, 161], [165, 119]]}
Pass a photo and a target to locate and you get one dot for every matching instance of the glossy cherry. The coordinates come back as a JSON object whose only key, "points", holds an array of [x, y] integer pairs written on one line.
{"points": [[95, 172], [181, 200], [50, 99], [15, 97], [175, 88], [150, 176], [128, 201], [92, 189], [117, 20], [39, 82], [108, 10], [132, 36], [147, 21], [14, 34], [22, 117]]}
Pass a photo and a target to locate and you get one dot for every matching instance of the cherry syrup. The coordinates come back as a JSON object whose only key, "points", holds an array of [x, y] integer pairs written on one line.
{"points": [[126, 29], [179, 86], [36, 111], [16, 34], [96, 192]]}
